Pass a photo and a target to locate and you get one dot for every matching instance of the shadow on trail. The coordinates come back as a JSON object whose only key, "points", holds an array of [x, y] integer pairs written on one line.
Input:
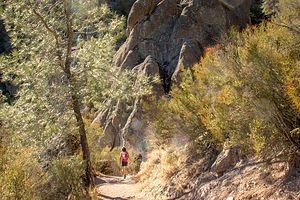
{"points": [[110, 180]]}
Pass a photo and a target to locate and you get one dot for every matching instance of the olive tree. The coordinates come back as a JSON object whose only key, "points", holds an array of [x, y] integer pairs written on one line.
{"points": [[62, 54]]}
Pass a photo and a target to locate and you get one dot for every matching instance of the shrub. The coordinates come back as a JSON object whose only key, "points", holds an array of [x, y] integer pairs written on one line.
{"points": [[244, 91], [108, 162], [20, 174], [64, 179]]}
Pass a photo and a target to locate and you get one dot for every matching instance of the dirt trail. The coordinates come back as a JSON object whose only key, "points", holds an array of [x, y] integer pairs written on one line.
{"points": [[117, 188]]}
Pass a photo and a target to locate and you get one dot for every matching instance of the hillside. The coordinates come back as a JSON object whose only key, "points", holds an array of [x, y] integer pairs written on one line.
{"points": [[250, 178]]}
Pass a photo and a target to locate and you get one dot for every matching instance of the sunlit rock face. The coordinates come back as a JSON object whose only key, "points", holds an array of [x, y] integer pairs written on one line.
{"points": [[175, 32]]}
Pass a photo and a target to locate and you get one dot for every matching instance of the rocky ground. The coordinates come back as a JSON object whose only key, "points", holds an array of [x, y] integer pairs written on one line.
{"points": [[248, 179]]}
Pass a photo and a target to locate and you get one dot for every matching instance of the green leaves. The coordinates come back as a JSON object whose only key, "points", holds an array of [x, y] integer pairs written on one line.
{"points": [[38, 35]]}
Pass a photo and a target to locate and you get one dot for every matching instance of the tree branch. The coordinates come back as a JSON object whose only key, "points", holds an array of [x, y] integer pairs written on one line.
{"points": [[54, 33], [288, 27], [70, 37], [86, 33], [285, 128]]}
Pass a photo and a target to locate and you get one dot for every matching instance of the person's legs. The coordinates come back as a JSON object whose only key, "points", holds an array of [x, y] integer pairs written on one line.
{"points": [[124, 170], [124, 167]]}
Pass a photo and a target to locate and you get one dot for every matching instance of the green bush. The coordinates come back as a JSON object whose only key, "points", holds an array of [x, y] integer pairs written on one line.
{"points": [[108, 162]]}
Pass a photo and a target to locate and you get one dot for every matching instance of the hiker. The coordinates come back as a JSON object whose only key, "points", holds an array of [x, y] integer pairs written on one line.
{"points": [[124, 160]]}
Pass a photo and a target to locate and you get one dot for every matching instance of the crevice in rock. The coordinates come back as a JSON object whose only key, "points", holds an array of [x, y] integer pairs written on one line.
{"points": [[166, 79]]}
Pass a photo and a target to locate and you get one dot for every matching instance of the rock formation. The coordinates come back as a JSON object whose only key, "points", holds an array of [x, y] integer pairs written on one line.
{"points": [[169, 35], [175, 32]]}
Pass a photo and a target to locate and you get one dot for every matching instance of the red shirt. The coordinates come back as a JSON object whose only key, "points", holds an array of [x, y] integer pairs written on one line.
{"points": [[124, 156]]}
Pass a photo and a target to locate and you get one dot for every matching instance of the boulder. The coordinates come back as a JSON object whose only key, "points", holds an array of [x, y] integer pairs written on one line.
{"points": [[139, 9], [190, 54], [147, 68], [226, 159]]}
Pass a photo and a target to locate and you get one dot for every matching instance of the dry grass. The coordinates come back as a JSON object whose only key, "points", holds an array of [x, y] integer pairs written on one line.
{"points": [[165, 172]]}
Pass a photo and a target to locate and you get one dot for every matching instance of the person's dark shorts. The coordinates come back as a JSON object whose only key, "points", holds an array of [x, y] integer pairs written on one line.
{"points": [[124, 163]]}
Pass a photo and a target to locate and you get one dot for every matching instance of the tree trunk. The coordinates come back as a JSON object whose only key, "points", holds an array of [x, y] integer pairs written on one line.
{"points": [[89, 178]]}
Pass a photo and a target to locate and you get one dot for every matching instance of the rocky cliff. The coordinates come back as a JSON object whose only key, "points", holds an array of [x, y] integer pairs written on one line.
{"points": [[166, 36], [175, 32]]}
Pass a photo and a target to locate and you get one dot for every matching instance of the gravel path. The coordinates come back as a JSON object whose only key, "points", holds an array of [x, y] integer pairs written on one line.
{"points": [[117, 188]]}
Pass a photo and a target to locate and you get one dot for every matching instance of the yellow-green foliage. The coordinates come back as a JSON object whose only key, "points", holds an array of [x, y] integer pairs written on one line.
{"points": [[27, 173], [63, 179], [94, 133], [24, 176], [246, 90], [109, 162], [20, 174], [101, 158]]}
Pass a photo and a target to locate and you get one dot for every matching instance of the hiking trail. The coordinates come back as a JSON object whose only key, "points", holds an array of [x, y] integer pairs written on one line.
{"points": [[117, 188]]}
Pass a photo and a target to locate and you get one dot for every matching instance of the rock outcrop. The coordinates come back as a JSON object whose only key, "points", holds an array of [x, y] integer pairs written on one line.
{"points": [[129, 121], [175, 32], [169, 35]]}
